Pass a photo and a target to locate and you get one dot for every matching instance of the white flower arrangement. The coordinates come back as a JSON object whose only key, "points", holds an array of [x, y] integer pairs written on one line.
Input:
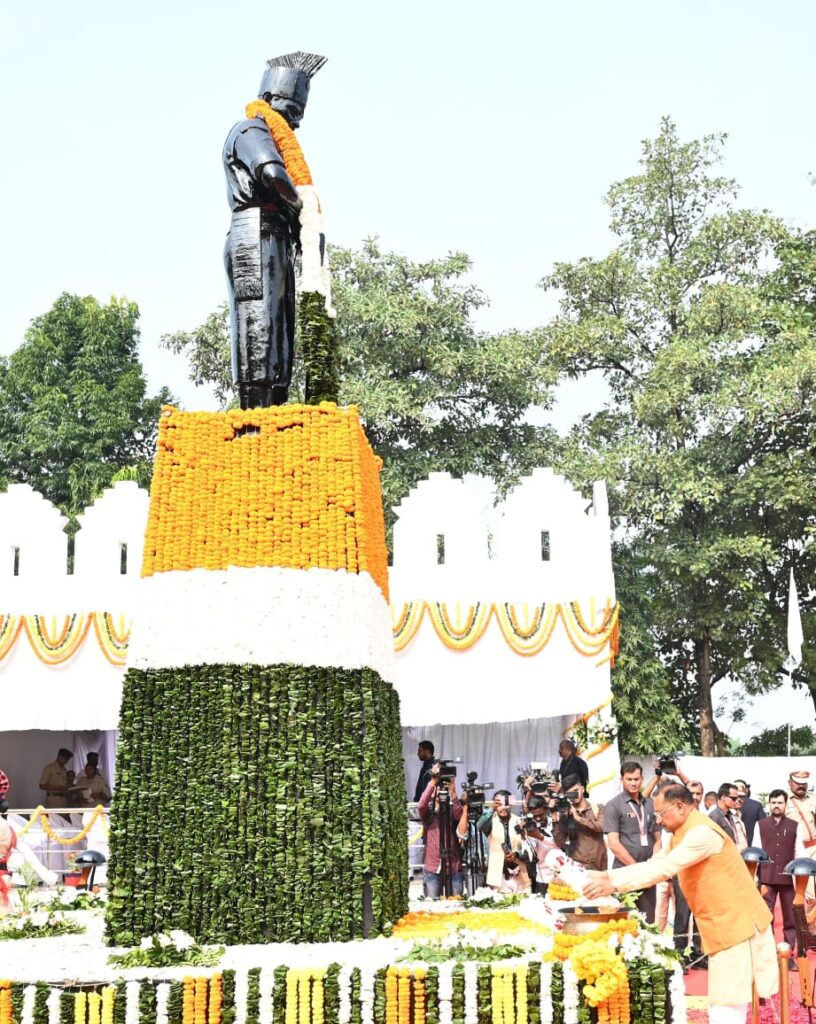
{"points": [[677, 991], [53, 1005], [29, 996], [445, 992], [344, 994], [366, 995], [471, 992], [266, 989], [132, 1002], [571, 994], [162, 995], [241, 995]]}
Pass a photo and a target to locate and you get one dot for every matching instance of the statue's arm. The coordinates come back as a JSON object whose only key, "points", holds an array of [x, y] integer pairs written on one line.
{"points": [[254, 147]]}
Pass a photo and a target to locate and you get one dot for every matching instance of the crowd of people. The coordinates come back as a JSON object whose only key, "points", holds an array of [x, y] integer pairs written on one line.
{"points": [[626, 831]]}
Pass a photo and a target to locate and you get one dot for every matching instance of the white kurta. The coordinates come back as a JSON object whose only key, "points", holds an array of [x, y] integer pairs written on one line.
{"points": [[730, 971]]}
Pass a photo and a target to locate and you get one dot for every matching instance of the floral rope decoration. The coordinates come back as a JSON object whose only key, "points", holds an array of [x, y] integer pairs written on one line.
{"points": [[100, 814], [55, 645], [526, 634]]}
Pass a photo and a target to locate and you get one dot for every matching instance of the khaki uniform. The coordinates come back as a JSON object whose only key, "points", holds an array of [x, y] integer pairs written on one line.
{"points": [[90, 792], [803, 812], [53, 776]]}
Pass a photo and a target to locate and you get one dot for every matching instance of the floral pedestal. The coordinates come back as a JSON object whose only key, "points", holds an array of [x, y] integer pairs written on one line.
{"points": [[260, 792]]}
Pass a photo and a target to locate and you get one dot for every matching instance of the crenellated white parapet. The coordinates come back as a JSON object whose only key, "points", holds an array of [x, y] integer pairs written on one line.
{"points": [[33, 545], [550, 543], [107, 552]]}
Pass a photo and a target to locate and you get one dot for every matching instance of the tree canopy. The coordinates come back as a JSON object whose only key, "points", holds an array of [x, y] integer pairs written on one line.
{"points": [[74, 409], [707, 438], [434, 392]]}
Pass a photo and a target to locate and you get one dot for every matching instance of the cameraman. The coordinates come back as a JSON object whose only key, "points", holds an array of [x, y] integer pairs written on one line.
{"points": [[505, 869], [537, 844], [435, 840], [578, 828]]}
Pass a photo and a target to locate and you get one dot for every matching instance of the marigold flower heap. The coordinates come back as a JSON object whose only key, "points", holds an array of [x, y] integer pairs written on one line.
{"points": [[259, 701]]}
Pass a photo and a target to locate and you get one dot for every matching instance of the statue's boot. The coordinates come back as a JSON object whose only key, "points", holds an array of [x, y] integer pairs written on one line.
{"points": [[261, 396]]}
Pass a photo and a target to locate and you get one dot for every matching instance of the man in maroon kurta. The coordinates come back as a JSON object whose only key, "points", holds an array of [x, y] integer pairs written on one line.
{"points": [[777, 837]]}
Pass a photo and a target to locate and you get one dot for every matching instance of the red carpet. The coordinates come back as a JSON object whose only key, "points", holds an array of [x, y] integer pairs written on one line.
{"points": [[697, 990]]}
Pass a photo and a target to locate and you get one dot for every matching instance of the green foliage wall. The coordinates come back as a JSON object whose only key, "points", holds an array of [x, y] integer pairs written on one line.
{"points": [[257, 804]]}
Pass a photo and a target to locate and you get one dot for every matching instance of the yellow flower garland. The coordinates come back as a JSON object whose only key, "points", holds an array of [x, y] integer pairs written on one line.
{"points": [[291, 996], [41, 815], [391, 996], [258, 510], [80, 1003], [464, 627], [55, 645], [200, 1012], [285, 140], [188, 1001], [5, 1003], [216, 999], [108, 1003], [94, 1008]]}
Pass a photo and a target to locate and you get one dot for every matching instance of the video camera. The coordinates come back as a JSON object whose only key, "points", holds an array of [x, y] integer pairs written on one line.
{"points": [[528, 822], [543, 779], [564, 801], [443, 770], [476, 794], [666, 763]]}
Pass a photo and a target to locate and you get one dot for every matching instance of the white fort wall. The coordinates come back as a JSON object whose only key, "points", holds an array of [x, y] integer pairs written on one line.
{"points": [[549, 545]]}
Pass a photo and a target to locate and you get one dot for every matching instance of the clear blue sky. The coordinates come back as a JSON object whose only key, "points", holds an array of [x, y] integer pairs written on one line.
{"points": [[487, 127], [491, 128]]}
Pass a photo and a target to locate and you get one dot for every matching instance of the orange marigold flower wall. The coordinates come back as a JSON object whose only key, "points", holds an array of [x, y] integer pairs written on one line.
{"points": [[295, 486]]}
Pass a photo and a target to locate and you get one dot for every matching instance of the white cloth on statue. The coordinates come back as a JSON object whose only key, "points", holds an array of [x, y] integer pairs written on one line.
{"points": [[730, 971]]}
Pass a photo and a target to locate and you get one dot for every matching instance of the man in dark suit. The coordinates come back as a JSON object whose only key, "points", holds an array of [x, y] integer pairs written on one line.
{"points": [[726, 802], [777, 837], [752, 810]]}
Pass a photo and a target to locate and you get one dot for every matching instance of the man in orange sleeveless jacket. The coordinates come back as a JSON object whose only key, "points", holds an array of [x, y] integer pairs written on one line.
{"points": [[734, 922]]}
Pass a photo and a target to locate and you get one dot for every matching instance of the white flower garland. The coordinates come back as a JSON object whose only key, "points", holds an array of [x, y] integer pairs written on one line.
{"points": [[445, 992], [677, 990], [53, 1004], [29, 997], [266, 988], [314, 266], [132, 1002], [571, 995], [471, 992], [162, 996], [262, 616], [344, 993], [545, 1002], [366, 995], [241, 995]]}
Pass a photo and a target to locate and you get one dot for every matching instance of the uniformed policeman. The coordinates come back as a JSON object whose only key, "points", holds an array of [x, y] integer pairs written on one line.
{"points": [[54, 779], [802, 809]]}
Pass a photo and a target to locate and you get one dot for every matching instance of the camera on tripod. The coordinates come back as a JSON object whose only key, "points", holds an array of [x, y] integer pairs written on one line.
{"points": [[475, 793]]}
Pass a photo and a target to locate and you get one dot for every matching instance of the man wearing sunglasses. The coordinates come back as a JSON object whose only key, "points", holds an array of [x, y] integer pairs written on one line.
{"points": [[734, 922]]}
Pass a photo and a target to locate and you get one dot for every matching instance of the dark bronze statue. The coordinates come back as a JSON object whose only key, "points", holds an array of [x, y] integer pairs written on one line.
{"points": [[263, 236]]}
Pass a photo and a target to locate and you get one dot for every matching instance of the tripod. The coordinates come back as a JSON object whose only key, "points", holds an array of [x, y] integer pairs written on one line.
{"points": [[474, 855], [445, 840]]}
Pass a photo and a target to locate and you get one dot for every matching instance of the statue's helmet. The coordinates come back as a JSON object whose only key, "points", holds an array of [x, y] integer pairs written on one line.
{"points": [[288, 76]]}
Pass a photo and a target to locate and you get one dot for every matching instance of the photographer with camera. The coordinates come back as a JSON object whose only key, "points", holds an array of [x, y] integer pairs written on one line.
{"points": [[439, 811], [506, 871], [578, 825], [537, 843]]}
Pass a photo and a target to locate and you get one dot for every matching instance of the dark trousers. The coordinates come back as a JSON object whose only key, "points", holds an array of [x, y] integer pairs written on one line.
{"points": [[682, 918], [647, 903], [785, 894]]}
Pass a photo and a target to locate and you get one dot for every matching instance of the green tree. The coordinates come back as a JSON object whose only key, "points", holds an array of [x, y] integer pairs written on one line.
{"points": [[774, 743], [707, 438], [74, 410], [433, 391]]}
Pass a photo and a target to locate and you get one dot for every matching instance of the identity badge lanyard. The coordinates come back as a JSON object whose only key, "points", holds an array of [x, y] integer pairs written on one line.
{"points": [[641, 820]]}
